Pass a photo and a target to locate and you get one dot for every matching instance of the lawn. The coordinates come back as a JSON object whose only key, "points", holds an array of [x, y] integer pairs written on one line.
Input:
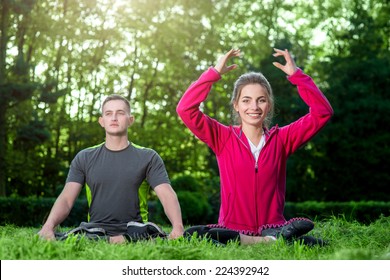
{"points": [[347, 241]]}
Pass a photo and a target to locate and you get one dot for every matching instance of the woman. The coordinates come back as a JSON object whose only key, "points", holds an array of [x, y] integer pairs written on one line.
{"points": [[252, 156]]}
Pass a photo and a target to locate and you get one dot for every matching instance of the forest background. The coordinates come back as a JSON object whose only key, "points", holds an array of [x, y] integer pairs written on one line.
{"points": [[59, 59]]}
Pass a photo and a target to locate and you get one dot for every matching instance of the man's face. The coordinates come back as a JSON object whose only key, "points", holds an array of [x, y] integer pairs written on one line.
{"points": [[116, 118]]}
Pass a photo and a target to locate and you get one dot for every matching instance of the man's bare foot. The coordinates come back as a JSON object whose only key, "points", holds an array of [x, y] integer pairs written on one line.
{"points": [[118, 239]]}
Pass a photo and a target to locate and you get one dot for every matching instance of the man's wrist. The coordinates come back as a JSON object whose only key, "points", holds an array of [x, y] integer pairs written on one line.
{"points": [[178, 227]]}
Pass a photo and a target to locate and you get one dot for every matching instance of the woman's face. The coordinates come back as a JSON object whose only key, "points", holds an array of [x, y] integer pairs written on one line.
{"points": [[252, 105]]}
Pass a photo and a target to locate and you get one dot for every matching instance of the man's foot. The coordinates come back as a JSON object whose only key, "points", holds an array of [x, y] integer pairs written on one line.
{"points": [[139, 231], [117, 239], [89, 233], [292, 230]]}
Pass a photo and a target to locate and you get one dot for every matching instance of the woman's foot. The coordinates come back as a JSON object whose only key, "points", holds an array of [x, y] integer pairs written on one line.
{"points": [[292, 230]]}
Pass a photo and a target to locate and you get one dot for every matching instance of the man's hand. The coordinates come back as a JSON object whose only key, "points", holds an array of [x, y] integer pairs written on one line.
{"points": [[47, 234], [176, 232], [222, 67]]}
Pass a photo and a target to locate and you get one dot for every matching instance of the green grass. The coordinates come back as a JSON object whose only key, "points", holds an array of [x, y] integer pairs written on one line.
{"points": [[347, 241]]}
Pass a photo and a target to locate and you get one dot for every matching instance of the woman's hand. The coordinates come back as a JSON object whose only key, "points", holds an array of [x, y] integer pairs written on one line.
{"points": [[221, 66], [289, 68]]}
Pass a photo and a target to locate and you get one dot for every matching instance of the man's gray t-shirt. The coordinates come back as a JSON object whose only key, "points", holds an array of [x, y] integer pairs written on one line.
{"points": [[114, 178]]}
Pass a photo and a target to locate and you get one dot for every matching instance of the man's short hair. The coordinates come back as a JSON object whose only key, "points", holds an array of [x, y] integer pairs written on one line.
{"points": [[117, 97]]}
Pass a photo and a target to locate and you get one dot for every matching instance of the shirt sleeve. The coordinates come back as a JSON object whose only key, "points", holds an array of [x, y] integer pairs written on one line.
{"points": [[156, 173], [76, 171], [299, 132], [207, 129]]}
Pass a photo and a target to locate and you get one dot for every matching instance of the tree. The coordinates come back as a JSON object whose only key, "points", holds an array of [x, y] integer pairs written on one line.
{"points": [[353, 147], [15, 84], [60, 58]]}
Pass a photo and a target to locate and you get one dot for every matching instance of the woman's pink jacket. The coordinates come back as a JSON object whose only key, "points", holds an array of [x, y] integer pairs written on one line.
{"points": [[253, 193]]}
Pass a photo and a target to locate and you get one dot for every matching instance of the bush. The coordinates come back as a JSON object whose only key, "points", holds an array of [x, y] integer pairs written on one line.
{"points": [[194, 207], [186, 183], [362, 211], [32, 211]]}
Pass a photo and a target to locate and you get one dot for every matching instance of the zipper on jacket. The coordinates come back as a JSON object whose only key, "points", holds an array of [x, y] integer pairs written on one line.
{"points": [[239, 138]]}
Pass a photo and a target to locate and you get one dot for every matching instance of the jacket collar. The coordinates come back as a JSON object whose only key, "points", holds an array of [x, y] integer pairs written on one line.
{"points": [[238, 130]]}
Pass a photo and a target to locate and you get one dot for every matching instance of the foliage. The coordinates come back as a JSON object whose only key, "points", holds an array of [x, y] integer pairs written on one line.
{"points": [[361, 211], [33, 211], [196, 209], [347, 241], [186, 183], [356, 143], [59, 59]]}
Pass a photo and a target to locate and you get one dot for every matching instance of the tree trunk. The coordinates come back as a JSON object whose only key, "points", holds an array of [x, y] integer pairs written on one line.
{"points": [[3, 99], [146, 95]]}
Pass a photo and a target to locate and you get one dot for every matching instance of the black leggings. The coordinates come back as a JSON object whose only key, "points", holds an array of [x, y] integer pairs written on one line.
{"points": [[219, 234]]}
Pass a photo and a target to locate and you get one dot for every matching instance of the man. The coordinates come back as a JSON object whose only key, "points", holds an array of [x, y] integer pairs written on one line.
{"points": [[113, 173]]}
